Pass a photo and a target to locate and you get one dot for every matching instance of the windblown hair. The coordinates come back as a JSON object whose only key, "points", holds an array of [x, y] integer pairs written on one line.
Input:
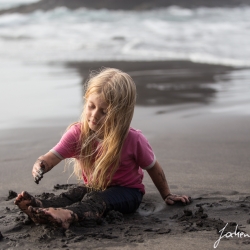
{"points": [[118, 90]]}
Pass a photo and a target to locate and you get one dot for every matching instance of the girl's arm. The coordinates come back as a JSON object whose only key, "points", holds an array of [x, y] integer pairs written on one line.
{"points": [[158, 177], [48, 161]]}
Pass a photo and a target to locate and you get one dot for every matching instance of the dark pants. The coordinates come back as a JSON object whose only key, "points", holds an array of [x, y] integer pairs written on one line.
{"points": [[93, 204]]}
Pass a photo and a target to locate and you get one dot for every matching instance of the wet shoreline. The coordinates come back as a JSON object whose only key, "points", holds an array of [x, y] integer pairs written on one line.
{"points": [[164, 82]]}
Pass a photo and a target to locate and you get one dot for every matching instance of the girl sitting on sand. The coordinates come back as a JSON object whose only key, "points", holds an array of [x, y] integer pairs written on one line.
{"points": [[108, 155]]}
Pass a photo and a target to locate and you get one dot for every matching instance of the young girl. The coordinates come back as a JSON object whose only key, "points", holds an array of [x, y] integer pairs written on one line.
{"points": [[108, 155]]}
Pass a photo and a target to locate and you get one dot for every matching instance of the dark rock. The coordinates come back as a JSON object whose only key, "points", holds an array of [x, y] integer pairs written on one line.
{"points": [[63, 186], [12, 195], [27, 221], [203, 216], [199, 223], [164, 231], [188, 212], [1, 236]]}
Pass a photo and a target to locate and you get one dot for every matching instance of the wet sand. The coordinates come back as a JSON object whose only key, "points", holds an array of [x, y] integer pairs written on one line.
{"points": [[164, 82], [204, 155]]}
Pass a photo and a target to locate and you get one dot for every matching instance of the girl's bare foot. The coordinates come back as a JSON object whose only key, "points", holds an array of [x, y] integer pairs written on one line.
{"points": [[57, 216], [24, 200]]}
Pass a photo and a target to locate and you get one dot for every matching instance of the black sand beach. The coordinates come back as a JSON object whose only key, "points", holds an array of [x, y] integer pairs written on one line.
{"points": [[204, 155]]}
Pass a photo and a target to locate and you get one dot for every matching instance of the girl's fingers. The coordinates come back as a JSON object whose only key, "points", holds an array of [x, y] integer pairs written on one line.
{"points": [[172, 199], [184, 199], [35, 171], [170, 202]]}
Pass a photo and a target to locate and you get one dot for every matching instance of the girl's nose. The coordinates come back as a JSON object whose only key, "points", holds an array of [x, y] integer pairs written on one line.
{"points": [[95, 114]]}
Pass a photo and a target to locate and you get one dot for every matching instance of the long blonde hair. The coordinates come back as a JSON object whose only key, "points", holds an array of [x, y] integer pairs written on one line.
{"points": [[118, 90]]}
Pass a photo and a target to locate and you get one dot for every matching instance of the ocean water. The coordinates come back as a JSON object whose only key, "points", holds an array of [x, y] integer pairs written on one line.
{"points": [[217, 35], [32, 88]]}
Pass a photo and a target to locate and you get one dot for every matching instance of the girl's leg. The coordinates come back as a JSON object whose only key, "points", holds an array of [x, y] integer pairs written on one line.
{"points": [[91, 207], [95, 204], [123, 199], [73, 195], [24, 200]]}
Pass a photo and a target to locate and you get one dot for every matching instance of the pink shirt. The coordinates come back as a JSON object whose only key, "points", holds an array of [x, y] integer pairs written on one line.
{"points": [[136, 155]]}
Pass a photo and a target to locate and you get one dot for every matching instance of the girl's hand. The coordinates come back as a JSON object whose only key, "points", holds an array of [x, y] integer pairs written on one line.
{"points": [[40, 167], [172, 199], [43, 165]]}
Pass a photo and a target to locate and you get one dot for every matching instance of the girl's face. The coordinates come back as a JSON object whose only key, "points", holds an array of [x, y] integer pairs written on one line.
{"points": [[96, 110]]}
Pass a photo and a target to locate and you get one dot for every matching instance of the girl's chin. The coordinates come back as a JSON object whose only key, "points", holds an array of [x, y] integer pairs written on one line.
{"points": [[93, 127]]}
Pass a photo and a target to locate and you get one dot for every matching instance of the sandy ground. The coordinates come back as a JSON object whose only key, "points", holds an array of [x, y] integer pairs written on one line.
{"points": [[204, 155]]}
